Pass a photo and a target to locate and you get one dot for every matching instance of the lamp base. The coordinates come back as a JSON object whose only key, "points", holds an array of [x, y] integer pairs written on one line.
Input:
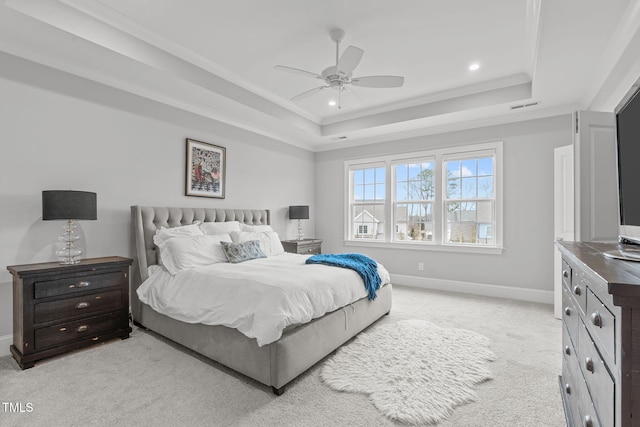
{"points": [[69, 254], [300, 234]]}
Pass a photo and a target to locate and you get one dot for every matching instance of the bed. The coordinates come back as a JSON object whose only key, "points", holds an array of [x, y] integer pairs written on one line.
{"points": [[274, 364]]}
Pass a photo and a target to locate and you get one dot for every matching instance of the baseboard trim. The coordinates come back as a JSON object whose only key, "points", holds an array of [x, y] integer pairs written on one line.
{"points": [[5, 343], [521, 294]]}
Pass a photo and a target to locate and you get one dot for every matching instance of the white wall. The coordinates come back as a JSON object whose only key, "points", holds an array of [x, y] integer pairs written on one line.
{"points": [[525, 268], [62, 132]]}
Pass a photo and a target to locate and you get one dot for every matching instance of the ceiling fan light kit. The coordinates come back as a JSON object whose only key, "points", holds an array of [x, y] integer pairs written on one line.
{"points": [[338, 76]]}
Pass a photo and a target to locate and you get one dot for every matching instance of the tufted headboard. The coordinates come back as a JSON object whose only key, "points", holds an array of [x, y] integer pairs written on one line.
{"points": [[145, 220]]}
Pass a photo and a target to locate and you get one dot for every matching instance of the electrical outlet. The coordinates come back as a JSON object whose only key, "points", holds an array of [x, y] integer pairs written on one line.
{"points": [[421, 266]]}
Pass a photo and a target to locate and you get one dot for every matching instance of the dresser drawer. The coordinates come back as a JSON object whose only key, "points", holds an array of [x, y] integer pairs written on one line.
{"points": [[599, 382], [570, 315], [75, 284], [79, 329], [566, 274], [571, 390], [579, 291], [77, 306], [602, 324]]}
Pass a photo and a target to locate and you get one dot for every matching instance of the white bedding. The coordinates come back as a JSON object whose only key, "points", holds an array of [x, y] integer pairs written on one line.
{"points": [[260, 298]]}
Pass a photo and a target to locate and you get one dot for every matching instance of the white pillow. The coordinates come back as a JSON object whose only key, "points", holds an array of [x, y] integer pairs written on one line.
{"points": [[188, 252], [185, 230], [215, 228], [255, 228], [269, 241]]}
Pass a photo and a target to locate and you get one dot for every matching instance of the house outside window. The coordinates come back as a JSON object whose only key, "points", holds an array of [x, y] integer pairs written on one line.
{"points": [[432, 199]]}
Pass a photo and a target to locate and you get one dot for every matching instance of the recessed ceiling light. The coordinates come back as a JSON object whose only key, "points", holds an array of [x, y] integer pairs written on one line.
{"points": [[474, 67], [332, 103]]}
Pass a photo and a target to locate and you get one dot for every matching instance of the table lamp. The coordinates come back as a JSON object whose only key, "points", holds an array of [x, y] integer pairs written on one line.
{"points": [[299, 213], [68, 205]]}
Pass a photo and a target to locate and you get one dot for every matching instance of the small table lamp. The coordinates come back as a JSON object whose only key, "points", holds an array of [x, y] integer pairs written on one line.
{"points": [[68, 205], [299, 212]]}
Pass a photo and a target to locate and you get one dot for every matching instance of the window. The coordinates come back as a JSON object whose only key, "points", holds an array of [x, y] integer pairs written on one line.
{"points": [[367, 206], [414, 196], [469, 200], [440, 198]]}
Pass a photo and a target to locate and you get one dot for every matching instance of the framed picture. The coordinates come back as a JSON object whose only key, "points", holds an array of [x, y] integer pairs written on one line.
{"points": [[206, 164]]}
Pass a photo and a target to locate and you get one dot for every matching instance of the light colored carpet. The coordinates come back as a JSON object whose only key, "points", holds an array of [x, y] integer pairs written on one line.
{"points": [[413, 371], [146, 381]]}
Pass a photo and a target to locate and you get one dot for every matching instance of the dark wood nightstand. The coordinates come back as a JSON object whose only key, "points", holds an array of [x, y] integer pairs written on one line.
{"points": [[58, 308], [304, 246]]}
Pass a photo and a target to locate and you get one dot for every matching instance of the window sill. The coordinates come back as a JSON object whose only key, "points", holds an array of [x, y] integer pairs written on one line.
{"points": [[487, 250]]}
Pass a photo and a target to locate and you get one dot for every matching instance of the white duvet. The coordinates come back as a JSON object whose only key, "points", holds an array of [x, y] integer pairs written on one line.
{"points": [[260, 298]]}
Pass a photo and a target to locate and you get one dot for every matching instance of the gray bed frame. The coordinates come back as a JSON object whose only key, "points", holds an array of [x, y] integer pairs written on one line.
{"points": [[275, 364]]}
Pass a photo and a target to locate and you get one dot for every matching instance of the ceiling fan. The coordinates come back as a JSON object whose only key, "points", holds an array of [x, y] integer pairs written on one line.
{"points": [[339, 76]]}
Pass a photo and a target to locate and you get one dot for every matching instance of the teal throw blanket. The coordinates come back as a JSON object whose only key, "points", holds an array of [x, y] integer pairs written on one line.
{"points": [[362, 264]]}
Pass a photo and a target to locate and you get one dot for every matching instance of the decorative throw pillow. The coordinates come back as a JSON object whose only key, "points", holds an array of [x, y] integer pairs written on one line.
{"points": [[240, 252]]}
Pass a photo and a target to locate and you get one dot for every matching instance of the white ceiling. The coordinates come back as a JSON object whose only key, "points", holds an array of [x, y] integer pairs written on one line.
{"points": [[216, 58]]}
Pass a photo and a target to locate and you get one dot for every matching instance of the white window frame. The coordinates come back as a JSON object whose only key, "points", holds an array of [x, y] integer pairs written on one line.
{"points": [[439, 229]]}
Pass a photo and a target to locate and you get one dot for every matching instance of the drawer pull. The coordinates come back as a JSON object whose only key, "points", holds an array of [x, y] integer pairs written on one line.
{"points": [[588, 364], [567, 311], [62, 329], [577, 290], [82, 328], [95, 338], [567, 350], [82, 305], [567, 388], [596, 319], [80, 285], [565, 273], [587, 421]]}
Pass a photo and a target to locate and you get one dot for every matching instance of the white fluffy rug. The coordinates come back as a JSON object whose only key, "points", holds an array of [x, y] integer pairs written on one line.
{"points": [[414, 371]]}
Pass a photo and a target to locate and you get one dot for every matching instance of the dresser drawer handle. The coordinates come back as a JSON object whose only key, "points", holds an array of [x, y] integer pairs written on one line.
{"points": [[82, 305], [587, 421], [577, 290], [596, 319], [82, 328], [62, 329], [565, 273], [567, 350], [588, 364], [80, 285], [567, 388], [567, 311]]}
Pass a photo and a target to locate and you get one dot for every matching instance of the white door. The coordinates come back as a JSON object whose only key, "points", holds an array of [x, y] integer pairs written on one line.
{"points": [[563, 220]]}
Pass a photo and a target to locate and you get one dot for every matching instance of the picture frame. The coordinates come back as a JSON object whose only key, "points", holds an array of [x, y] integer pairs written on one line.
{"points": [[206, 169]]}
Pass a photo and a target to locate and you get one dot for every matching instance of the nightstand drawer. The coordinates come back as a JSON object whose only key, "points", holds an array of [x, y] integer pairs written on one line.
{"points": [[309, 249], [74, 284], [304, 247], [78, 306], [79, 329]]}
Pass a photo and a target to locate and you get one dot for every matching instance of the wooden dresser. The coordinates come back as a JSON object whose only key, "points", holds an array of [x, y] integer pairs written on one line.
{"points": [[304, 246], [58, 308], [600, 382]]}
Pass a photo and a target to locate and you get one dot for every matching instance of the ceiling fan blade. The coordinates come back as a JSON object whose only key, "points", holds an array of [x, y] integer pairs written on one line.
{"points": [[378, 81], [307, 93], [350, 59], [298, 71]]}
